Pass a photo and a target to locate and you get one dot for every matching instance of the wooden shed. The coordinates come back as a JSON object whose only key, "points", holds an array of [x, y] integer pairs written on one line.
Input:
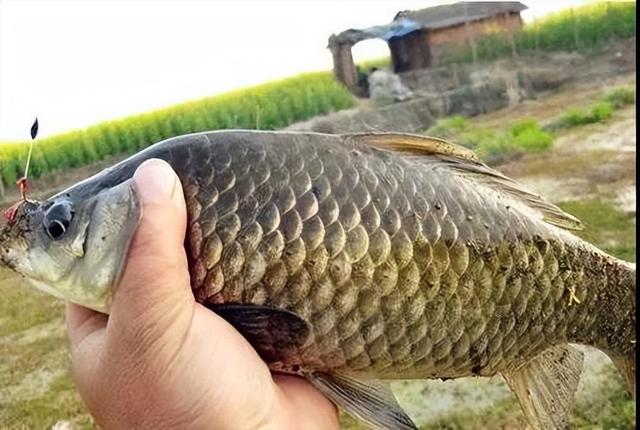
{"points": [[417, 39]]}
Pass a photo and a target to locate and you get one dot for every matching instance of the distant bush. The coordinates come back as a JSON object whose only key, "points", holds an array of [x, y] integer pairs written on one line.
{"points": [[601, 111], [490, 145], [524, 136], [582, 28], [529, 137], [269, 106], [621, 96], [598, 112], [445, 127], [475, 137]]}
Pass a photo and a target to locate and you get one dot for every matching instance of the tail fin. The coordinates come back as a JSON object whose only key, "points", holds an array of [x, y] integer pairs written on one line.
{"points": [[626, 365]]}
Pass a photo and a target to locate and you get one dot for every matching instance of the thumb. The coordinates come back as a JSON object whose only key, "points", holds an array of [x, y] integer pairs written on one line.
{"points": [[154, 288]]}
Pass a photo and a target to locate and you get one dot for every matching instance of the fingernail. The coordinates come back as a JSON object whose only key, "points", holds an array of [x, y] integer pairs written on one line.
{"points": [[155, 181]]}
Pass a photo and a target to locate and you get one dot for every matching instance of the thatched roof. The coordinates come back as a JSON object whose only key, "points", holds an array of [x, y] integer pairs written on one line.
{"points": [[447, 15]]}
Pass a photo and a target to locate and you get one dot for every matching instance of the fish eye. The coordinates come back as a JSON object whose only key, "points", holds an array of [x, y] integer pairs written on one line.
{"points": [[57, 220]]}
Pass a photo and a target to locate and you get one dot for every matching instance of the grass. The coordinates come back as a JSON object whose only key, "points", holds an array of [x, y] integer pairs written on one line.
{"points": [[527, 135], [613, 409], [600, 111], [585, 28], [621, 96], [491, 145], [268, 106], [35, 386], [449, 126], [604, 225], [58, 403]]}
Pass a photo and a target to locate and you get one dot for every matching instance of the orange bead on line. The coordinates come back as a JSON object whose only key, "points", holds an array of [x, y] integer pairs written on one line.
{"points": [[23, 186]]}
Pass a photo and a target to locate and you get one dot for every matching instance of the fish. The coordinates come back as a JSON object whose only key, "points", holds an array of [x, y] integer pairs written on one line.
{"points": [[351, 260]]}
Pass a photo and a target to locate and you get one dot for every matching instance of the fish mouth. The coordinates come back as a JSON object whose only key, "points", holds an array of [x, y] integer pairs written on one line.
{"points": [[13, 226]]}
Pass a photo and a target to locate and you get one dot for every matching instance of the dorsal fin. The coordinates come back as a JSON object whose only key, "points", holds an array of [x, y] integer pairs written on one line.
{"points": [[465, 163], [416, 144]]}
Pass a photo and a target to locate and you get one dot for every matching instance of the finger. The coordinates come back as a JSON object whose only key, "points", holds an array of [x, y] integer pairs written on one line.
{"points": [[300, 395], [86, 332], [156, 276], [82, 322]]}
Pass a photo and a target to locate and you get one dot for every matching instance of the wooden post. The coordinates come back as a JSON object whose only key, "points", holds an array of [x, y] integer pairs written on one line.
{"points": [[343, 66]]}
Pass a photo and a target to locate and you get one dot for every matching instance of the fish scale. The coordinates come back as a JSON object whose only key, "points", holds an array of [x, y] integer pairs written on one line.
{"points": [[337, 218]]}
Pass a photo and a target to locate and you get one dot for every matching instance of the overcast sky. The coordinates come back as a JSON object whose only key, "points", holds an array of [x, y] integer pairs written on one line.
{"points": [[74, 63]]}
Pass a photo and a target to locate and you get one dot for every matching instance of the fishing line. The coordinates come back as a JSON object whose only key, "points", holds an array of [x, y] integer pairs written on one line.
{"points": [[22, 183]]}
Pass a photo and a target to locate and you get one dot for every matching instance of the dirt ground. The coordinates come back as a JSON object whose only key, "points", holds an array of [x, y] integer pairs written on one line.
{"points": [[589, 167]]}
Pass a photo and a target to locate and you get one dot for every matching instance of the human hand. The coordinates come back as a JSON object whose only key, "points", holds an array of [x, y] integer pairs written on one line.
{"points": [[161, 360]]}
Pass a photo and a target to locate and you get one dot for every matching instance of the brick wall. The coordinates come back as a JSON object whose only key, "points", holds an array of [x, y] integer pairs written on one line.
{"points": [[421, 49]]}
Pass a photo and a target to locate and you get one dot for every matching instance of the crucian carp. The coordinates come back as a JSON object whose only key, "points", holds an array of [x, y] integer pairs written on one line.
{"points": [[353, 259]]}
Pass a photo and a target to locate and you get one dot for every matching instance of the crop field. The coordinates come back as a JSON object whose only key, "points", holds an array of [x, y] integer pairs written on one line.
{"points": [[277, 104], [267, 107]]}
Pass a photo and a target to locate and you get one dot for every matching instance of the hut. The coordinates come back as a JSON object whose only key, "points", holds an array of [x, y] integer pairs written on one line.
{"points": [[417, 39]]}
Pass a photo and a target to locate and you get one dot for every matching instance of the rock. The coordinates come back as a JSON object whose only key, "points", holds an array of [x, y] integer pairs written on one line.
{"points": [[385, 88]]}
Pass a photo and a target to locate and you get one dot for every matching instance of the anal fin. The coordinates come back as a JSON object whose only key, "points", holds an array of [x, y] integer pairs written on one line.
{"points": [[545, 386], [371, 401]]}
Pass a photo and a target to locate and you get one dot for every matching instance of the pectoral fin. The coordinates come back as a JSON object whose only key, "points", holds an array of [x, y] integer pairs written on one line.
{"points": [[277, 335], [371, 401], [545, 386]]}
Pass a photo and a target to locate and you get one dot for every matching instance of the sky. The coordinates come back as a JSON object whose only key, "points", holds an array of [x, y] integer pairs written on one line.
{"points": [[76, 63]]}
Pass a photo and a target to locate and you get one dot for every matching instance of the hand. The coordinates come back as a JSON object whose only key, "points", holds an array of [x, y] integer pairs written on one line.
{"points": [[161, 360]]}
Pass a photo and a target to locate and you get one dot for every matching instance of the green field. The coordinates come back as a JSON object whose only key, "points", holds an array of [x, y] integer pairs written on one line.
{"points": [[266, 107], [277, 104]]}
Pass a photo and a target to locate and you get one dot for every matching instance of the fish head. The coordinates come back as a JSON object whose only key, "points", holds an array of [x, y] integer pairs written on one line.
{"points": [[73, 245]]}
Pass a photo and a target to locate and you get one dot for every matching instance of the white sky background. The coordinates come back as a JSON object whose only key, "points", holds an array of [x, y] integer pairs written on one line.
{"points": [[75, 63]]}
